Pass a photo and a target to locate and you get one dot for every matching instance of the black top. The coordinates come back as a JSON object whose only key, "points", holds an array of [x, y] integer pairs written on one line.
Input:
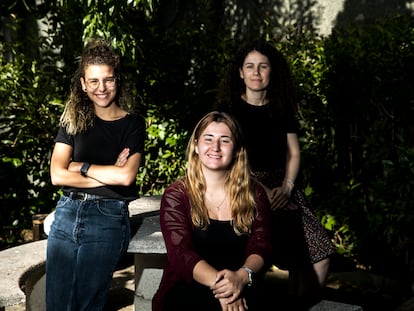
{"points": [[265, 135], [220, 246], [101, 144]]}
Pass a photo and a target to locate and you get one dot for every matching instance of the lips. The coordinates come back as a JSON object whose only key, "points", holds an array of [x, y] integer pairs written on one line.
{"points": [[214, 156]]}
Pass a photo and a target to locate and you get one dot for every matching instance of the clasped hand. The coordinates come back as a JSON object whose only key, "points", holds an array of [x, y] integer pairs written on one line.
{"points": [[228, 288]]}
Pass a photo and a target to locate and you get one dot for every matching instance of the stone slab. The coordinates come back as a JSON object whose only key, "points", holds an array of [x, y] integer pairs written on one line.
{"points": [[145, 205], [14, 263], [326, 305], [148, 239]]}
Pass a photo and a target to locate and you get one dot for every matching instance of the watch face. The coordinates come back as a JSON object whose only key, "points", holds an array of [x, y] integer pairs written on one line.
{"points": [[250, 273]]}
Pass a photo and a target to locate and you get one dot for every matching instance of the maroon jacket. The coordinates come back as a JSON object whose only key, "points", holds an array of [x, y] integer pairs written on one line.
{"points": [[176, 226]]}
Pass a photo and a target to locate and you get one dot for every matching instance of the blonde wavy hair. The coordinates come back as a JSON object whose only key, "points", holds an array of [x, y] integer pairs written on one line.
{"points": [[79, 112], [239, 184]]}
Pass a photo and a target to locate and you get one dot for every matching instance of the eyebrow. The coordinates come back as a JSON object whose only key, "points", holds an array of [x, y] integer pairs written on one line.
{"points": [[260, 63], [111, 77], [211, 135]]}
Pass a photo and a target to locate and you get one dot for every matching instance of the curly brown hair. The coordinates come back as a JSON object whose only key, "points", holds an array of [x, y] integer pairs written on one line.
{"points": [[79, 113]]}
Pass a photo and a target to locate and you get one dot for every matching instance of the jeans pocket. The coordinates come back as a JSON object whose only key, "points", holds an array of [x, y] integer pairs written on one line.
{"points": [[115, 209], [63, 200]]}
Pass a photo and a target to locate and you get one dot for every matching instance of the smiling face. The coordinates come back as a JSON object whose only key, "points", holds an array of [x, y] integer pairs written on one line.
{"points": [[99, 83], [215, 147], [256, 71]]}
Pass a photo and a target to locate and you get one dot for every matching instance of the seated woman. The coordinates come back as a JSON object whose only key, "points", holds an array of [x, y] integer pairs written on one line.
{"points": [[215, 223]]}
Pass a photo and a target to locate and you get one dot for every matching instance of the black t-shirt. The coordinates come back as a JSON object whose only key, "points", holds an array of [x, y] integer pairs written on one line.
{"points": [[101, 144], [265, 135], [220, 246]]}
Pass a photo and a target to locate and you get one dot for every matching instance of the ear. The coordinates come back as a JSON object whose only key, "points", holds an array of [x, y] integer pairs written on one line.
{"points": [[82, 81], [196, 149], [241, 73]]}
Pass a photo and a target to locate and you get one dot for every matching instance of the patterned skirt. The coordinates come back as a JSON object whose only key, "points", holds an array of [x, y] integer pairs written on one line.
{"points": [[299, 239]]}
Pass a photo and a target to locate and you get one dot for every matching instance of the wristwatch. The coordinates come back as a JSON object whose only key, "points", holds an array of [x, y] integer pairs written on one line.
{"points": [[84, 169], [250, 273]]}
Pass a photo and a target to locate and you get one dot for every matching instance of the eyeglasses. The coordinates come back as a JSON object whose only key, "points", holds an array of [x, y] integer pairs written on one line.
{"points": [[93, 84]]}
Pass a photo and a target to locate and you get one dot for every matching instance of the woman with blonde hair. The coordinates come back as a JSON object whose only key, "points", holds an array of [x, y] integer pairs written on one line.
{"points": [[215, 223]]}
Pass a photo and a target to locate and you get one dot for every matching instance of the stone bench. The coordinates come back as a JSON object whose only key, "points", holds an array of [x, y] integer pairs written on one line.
{"points": [[150, 257], [15, 264]]}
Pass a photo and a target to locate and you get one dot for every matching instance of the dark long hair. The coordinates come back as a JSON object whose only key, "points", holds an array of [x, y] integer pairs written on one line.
{"points": [[281, 91]]}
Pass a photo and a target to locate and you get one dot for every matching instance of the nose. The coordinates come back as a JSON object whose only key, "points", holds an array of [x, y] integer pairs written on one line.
{"points": [[102, 86], [216, 145]]}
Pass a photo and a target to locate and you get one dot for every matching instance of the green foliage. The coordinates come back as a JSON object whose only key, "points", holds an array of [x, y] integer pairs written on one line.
{"points": [[369, 90], [164, 160], [306, 54], [356, 100], [28, 114]]}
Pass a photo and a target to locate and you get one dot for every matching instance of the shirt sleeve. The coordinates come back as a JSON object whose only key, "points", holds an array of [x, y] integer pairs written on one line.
{"points": [[292, 124], [259, 242], [137, 135], [63, 137], [177, 229]]}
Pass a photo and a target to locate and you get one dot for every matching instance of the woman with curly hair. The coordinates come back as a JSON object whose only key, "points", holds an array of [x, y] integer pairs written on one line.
{"points": [[98, 150], [259, 92]]}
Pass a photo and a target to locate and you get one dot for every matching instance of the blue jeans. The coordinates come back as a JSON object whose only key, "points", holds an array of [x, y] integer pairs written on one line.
{"points": [[85, 243]]}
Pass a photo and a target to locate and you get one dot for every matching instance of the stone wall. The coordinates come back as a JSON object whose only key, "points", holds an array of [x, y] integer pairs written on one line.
{"points": [[326, 14]]}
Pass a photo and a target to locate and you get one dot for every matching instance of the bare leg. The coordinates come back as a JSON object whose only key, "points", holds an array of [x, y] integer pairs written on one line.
{"points": [[309, 282], [321, 268]]}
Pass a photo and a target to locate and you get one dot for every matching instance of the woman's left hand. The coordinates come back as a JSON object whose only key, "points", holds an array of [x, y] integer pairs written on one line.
{"points": [[279, 197], [229, 285], [122, 157], [239, 305]]}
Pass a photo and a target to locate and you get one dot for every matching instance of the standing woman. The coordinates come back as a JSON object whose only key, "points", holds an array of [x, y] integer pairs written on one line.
{"points": [[215, 223], [260, 93], [98, 150]]}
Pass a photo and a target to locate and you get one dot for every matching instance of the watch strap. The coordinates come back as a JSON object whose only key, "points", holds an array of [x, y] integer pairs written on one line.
{"points": [[84, 169], [250, 273]]}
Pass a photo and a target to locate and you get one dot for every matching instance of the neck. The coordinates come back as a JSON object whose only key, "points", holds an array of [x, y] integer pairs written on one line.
{"points": [[110, 113], [215, 195], [255, 100], [215, 180]]}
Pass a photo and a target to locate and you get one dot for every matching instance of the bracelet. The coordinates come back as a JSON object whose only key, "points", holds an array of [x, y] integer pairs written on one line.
{"points": [[250, 273], [84, 169]]}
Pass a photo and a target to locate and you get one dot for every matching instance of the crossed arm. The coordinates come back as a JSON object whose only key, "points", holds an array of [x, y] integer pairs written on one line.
{"points": [[63, 172]]}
